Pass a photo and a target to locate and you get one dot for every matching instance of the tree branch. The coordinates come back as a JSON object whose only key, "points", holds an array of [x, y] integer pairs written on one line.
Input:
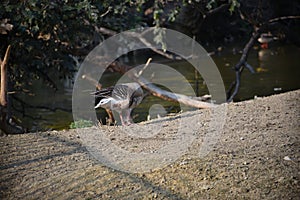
{"points": [[140, 37], [7, 124], [277, 19], [218, 9], [93, 81], [3, 87], [240, 65], [243, 60]]}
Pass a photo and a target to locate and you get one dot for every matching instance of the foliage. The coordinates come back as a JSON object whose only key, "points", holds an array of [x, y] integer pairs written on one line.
{"points": [[81, 124], [47, 34], [233, 4]]}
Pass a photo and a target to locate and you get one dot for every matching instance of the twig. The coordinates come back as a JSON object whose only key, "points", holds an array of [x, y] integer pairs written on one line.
{"points": [[167, 55], [106, 12], [93, 81], [249, 67], [105, 31], [215, 10], [282, 18], [143, 69]]}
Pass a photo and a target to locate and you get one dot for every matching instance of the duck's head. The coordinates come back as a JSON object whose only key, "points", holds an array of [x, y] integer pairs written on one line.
{"points": [[105, 103]]}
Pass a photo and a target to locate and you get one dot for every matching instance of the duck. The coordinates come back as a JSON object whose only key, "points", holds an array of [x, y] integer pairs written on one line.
{"points": [[122, 98], [265, 39]]}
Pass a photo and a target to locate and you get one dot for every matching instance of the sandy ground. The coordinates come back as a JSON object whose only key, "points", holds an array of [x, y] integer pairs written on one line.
{"points": [[254, 156]]}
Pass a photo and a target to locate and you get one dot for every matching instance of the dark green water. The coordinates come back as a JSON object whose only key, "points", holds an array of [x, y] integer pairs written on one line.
{"points": [[277, 70]]}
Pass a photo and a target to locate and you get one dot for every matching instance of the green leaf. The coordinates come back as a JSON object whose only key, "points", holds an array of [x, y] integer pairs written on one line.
{"points": [[81, 124], [234, 4]]}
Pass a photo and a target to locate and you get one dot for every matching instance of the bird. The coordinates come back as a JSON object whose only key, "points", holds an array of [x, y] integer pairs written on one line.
{"points": [[265, 39], [122, 98]]}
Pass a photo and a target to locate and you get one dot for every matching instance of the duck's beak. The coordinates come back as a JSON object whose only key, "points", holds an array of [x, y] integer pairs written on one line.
{"points": [[98, 105]]}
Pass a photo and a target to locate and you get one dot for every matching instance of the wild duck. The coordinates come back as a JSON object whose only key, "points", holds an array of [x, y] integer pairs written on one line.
{"points": [[265, 39], [122, 98]]}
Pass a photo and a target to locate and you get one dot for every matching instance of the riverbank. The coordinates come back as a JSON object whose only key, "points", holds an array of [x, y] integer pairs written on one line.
{"points": [[257, 157]]}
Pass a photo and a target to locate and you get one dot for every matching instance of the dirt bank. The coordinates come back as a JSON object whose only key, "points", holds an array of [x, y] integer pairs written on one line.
{"points": [[256, 156]]}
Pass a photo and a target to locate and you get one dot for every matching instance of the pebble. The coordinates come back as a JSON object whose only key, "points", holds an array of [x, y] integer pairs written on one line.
{"points": [[183, 163], [287, 158], [205, 187], [281, 179]]}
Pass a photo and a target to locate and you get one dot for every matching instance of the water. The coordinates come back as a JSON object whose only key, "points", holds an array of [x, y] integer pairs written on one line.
{"points": [[277, 70]]}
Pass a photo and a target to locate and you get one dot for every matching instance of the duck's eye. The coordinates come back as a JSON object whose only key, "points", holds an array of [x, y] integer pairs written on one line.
{"points": [[104, 101]]}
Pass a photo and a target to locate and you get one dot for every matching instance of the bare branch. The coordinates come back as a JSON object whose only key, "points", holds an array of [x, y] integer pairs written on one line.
{"points": [[105, 31], [140, 37], [243, 60], [3, 87], [170, 96], [249, 67], [239, 66], [167, 55], [218, 9], [93, 81], [145, 66], [282, 18], [7, 123]]}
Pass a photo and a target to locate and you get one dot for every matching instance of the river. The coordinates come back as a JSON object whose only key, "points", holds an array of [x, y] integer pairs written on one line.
{"points": [[277, 70]]}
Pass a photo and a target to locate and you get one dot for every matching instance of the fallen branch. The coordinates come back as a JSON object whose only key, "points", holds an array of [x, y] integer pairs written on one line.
{"points": [[158, 92], [170, 96]]}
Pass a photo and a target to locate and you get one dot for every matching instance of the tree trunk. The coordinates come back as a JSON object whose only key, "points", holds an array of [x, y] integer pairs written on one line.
{"points": [[6, 123], [3, 88]]}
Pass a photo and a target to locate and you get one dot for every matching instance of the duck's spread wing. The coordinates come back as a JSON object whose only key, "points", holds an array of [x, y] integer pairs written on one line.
{"points": [[121, 92], [103, 93], [106, 92]]}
